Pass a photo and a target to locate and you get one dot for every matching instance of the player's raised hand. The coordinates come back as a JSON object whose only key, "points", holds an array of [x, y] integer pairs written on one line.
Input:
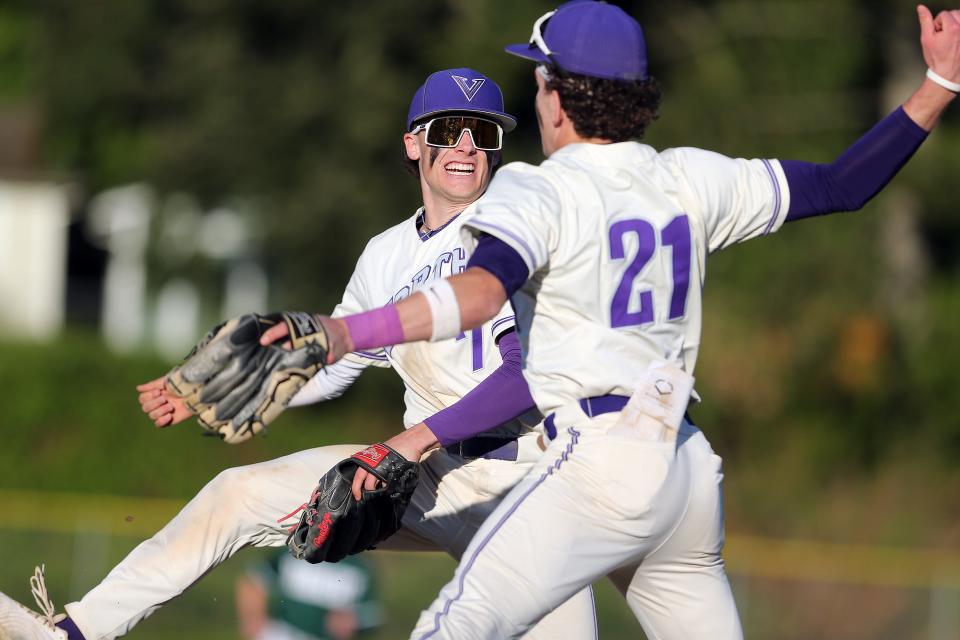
{"points": [[161, 407], [940, 39]]}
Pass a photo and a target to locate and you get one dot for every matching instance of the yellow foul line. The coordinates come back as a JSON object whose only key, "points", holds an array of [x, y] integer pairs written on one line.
{"points": [[746, 555]]}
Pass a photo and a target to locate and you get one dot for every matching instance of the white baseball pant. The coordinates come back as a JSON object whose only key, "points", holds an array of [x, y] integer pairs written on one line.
{"points": [[648, 514], [240, 507]]}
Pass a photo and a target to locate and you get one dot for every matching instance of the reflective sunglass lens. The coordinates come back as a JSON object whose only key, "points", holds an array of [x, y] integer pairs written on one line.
{"points": [[446, 132]]}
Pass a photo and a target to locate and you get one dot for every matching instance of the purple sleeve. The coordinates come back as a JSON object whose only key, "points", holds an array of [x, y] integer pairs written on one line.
{"points": [[500, 259], [858, 174], [502, 396]]}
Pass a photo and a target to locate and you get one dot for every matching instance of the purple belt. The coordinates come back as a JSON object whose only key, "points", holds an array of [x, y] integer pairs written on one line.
{"points": [[489, 447], [599, 405], [596, 406]]}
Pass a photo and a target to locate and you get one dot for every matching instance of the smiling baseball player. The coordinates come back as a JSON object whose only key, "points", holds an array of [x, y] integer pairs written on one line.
{"points": [[602, 250], [457, 393]]}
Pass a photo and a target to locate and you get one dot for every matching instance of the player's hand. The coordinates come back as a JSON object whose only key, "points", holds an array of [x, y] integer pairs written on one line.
{"points": [[161, 407], [411, 444], [940, 39], [338, 335]]}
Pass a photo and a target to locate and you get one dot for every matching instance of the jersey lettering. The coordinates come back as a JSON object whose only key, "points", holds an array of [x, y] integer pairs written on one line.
{"points": [[459, 264], [620, 314], [443, 259], [476, 340], [421, 278], [675, 235], [457, 261]]}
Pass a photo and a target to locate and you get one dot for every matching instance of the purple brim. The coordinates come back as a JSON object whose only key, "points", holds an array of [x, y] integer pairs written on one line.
{"points": [[528, 51], [505, 120]]}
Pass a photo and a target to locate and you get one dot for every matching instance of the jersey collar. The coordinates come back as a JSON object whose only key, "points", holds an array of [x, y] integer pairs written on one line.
{"points": [[418, 222]]}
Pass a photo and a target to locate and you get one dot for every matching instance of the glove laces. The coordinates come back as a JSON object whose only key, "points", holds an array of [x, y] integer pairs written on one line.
{"points": [[298, 512], [38, 587], [293, 514]]}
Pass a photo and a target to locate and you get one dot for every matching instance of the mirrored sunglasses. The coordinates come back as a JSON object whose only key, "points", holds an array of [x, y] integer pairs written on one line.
{"points": [[446, 132]]}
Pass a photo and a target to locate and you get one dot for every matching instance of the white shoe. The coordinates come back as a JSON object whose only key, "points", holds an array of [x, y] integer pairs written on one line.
{"points": [[18, 622]]}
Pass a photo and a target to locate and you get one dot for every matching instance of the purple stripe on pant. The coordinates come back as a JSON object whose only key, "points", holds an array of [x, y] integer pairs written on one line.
{"points": [[574, 439]]}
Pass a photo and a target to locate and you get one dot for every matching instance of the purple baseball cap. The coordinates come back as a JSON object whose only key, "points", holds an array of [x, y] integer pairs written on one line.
{"points": [[461, 90], [590, 38]]}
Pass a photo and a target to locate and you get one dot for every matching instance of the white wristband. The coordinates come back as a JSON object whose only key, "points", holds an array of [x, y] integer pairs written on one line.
{"points": [[943, 82], [444, 309]]}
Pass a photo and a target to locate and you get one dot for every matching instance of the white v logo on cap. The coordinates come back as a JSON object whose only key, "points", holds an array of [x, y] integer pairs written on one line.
{"points": [[469, 87]]}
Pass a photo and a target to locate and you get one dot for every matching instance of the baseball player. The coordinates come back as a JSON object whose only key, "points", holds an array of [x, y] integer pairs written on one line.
{"points": [[602, 250], [461, 399]]}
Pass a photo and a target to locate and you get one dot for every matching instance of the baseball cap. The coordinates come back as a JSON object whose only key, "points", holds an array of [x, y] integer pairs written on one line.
{"points": [[590, 38], [461, 90]]}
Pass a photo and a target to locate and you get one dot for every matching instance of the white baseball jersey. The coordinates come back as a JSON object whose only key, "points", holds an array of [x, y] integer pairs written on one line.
{"points": [[256, 504], [397, 263], [616, 238]]}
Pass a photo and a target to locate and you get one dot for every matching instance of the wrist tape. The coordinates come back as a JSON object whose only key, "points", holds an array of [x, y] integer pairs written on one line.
{"points": [[444, 310]]}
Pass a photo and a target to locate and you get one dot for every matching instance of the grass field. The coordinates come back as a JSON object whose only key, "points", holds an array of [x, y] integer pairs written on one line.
{"points": [[408, 582], [772, 608]]}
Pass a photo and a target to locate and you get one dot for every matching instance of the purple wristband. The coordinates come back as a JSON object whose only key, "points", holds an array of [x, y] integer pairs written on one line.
{"points": [[378, 328]]}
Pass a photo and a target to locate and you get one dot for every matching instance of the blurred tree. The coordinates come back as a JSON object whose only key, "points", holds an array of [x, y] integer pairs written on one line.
{"points": [[297, 107], [298, 104]]}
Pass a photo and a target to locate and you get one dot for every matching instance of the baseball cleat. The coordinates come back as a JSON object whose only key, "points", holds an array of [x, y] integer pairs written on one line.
{"points": [[18, 622]]}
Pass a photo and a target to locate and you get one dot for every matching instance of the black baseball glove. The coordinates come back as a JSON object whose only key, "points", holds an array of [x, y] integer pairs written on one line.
{"points": [[334, 524], [235, 385]]}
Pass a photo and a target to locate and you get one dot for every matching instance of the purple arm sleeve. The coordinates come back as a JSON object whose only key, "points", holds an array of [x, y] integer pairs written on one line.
{"points": [[858, 174], [502, 396], [500, 259]]}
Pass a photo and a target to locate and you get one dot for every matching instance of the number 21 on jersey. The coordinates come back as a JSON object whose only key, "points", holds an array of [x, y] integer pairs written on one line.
{"points": [[676, 235]]}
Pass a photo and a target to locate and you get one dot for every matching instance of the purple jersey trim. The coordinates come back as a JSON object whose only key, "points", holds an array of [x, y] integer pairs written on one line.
{"points": [[574, 440], [778, 197], [484, 226], [501, 260], [420, 221], [371, 355], [858, 174], [501, 396], [495, 330]]}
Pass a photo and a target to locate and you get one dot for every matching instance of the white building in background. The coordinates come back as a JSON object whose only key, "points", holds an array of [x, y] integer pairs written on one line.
{"points": [[171, 318], [125, 222], [34, 221], [119, 222]]}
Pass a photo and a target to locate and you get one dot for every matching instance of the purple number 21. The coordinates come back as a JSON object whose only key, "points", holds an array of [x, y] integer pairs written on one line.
{"points": [[675, 235]]}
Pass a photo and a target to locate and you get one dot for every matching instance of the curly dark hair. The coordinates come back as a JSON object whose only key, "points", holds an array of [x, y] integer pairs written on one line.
{"points": [[614, 110]]}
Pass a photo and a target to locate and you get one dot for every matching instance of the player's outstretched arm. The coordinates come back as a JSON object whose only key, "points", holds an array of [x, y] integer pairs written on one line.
{"points": [[461, 302], [499, 398], [864, 169], [478, 294]]}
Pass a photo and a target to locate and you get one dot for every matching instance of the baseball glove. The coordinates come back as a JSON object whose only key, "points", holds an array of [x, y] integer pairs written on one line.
{"points": [[235, 385], [334, 524]]}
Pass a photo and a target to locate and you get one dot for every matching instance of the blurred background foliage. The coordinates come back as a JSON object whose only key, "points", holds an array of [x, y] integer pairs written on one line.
{"points": [[829, 361]]}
